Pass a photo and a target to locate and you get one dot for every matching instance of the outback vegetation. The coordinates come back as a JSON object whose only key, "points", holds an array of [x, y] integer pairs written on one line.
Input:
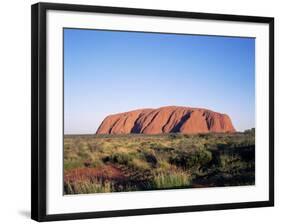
{"points": [[133, 162]]}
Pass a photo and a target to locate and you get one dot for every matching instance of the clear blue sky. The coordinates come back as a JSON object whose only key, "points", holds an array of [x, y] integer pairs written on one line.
{"points": [[108, 72]]}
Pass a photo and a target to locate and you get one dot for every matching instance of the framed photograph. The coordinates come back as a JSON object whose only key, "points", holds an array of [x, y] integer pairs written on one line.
{"points": [[140, 111]]}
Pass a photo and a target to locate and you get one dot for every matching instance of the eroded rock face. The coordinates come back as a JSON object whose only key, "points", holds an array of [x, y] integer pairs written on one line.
{"points": [[171, 119]]}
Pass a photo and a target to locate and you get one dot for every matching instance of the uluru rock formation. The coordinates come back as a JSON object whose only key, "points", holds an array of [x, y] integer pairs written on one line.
{"points": [[170, 119]]}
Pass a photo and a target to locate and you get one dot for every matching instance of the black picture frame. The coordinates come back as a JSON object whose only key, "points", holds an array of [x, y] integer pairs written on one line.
{"points": [[38, 108]]}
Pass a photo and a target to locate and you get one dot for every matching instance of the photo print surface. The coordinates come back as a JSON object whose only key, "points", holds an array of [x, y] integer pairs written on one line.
{"points": [[156, 111]]}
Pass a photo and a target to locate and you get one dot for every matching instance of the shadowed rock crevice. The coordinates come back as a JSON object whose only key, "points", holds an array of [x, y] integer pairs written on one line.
{"points": [[150, 123], [171, 119], [168, 121], [111, 128], [182, 121], [137, 126]]}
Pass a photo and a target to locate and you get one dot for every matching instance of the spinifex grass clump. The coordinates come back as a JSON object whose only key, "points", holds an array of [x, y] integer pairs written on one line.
{"points": [[87, 186], [134, 162], [171, 180]]}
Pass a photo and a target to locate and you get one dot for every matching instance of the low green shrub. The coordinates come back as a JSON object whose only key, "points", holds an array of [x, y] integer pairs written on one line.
{"points": [[151, 158], [191, 159], [138, 164], [120, 158]]}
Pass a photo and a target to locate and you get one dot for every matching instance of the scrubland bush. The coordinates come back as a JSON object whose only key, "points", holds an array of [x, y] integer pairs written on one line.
{"points": [[151, 158], [192, 159], [120, 158], [138, 164]]}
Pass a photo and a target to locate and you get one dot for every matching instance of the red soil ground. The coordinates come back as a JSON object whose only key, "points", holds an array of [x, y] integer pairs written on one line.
{"points": [[108, 172]]}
